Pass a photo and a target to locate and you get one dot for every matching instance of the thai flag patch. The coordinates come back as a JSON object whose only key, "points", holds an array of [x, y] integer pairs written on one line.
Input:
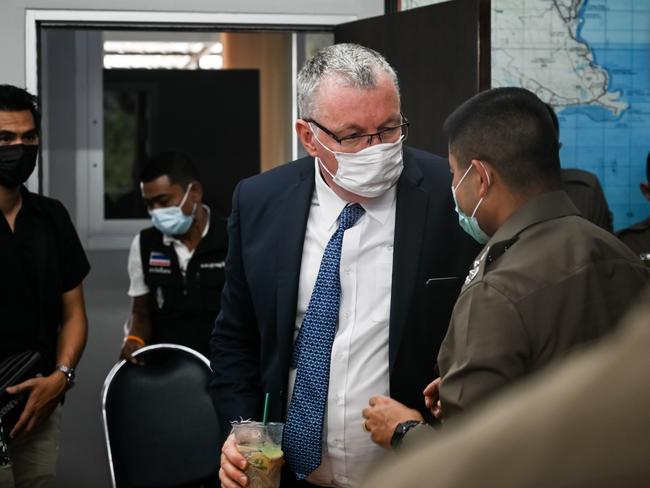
{"points": [[159, 259]]}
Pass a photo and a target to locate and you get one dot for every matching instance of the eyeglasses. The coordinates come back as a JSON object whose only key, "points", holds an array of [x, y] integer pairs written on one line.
{"points": [[358, 142]]}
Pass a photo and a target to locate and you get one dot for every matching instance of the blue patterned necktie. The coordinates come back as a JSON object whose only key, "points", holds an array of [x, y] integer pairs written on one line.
{"points": [[311, 356]]}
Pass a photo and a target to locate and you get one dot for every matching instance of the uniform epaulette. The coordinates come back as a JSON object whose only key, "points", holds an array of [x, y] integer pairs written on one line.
{"points": [[497, 250]]}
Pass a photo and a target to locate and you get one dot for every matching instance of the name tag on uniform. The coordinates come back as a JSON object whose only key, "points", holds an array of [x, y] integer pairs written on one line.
{"points": [[217, 265]]}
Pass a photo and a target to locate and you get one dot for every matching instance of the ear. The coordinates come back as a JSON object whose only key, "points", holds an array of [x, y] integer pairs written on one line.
{"points": [[645, 190], [486, 175], [197, 191], [306, 137]]}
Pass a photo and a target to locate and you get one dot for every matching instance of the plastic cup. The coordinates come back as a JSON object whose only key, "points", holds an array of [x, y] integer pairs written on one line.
{"points": [[261, 446]]}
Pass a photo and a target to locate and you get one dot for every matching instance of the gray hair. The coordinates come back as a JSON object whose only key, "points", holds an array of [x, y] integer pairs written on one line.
{"points": [[353, 65]]}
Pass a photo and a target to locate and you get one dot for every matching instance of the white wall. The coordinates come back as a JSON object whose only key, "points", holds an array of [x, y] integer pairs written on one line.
{"points": [[12, 17]]}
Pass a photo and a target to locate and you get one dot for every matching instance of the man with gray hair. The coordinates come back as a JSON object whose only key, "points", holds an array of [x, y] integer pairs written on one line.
{"points": [[341, 274]]}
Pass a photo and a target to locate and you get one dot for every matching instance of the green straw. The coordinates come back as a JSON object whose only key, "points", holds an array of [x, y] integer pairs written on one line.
{"points": [[265, 415]]}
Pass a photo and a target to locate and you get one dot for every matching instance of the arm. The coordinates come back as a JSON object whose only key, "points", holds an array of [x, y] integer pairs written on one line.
{"points": [[45, 392], [486, 348], [235, 344], [140, 327], [140, 321]]}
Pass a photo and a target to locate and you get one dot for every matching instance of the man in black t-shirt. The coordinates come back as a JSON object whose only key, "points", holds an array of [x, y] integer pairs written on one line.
{"points": [[41, 296]]}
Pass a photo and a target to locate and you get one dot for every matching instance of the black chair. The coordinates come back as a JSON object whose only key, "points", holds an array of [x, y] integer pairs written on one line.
{"points": [[160, 425]]}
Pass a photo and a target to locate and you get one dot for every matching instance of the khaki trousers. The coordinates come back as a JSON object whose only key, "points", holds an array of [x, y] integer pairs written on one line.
{"points": [[33, 457]]}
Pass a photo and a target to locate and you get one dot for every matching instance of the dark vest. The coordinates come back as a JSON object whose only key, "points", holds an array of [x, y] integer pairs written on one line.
{"points": [[184, 308]]}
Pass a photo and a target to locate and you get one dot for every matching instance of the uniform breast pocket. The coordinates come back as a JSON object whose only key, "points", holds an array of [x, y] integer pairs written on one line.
{"points": [[383, 280]]}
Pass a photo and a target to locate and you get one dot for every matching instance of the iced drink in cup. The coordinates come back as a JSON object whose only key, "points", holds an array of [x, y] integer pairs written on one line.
{"points": [[261, 446]]}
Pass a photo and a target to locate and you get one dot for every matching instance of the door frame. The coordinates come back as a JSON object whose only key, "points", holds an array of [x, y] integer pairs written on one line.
{"points": [[90, 233]]}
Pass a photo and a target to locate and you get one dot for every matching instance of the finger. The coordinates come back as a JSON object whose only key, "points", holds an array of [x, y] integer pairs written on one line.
{"points": [[437, 410], [22, 421], [428, 402], [232, 454], [366, 412], [432, 387], [232, 473], [34, 420], [226, 482], [20, 387], [127, 352], [378, 399]]}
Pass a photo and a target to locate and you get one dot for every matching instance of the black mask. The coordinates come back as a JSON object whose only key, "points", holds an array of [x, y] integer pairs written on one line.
{"points": [[17, 162]]}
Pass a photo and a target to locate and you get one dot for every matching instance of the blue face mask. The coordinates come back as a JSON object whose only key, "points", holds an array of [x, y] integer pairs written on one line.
{"points": [[171, 221], [470, 224]]}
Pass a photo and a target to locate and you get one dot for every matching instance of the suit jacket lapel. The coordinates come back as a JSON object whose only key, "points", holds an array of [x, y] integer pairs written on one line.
{"points": [[293, 212], [410, 220]]}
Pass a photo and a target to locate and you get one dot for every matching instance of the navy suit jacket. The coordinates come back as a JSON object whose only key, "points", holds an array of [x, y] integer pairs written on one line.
{"points": [[253, 336]]}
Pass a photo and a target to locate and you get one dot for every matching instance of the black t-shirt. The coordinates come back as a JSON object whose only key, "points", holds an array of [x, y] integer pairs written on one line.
{"points": [[40, 261]]}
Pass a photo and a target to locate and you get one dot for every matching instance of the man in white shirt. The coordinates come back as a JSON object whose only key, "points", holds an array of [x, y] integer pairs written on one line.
{"points": [[342, 271], [176, 266]]}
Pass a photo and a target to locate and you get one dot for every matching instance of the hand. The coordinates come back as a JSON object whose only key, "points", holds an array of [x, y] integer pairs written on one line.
{"points": [[382, 417], [432, 398], [129, 347], [233, 465], [44, 395]]}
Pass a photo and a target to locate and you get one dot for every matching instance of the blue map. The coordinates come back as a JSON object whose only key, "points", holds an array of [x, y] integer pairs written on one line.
{"points": [[590, 59]]}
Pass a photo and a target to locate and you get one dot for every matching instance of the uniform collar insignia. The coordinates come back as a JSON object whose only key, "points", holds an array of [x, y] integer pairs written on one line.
{"points": [[475, 267]]}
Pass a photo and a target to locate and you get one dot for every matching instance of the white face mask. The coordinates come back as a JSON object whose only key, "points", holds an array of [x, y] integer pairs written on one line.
{"points": [[171, 221], [369, 172]]}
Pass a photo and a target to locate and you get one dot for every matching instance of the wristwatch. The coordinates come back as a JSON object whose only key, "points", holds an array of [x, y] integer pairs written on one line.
{"points": [[400, 432], [68, 372]]}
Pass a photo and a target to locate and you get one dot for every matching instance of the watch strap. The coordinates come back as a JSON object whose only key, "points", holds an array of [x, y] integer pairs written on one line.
{"points": [[401, 430], [68, 372]]}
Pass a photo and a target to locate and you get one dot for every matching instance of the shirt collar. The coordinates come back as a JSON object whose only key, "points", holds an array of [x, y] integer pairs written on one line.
{"points": [[547, 206], [167, 240], [331, 204], [29, 202]]}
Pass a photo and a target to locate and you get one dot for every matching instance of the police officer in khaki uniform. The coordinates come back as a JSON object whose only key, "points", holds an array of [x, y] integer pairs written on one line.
{"points": [[583, 423], [546, 281], [637, 237]]}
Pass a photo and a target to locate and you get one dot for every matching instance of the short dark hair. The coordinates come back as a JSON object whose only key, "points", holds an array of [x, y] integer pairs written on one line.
{"points": [[14, 99], [173, 163], [511, 129]]}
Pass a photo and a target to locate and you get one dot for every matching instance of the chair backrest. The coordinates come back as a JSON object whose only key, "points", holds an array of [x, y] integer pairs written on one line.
{"points": [[160, 425]]}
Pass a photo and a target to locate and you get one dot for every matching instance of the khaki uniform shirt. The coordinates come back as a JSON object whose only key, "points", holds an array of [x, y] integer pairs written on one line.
{"points": [[583, 423], [547, 280], [587, 195]]}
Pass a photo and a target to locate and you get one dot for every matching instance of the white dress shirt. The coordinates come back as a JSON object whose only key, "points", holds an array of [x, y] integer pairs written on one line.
{"points": [[359, 360], [137, 286]]}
